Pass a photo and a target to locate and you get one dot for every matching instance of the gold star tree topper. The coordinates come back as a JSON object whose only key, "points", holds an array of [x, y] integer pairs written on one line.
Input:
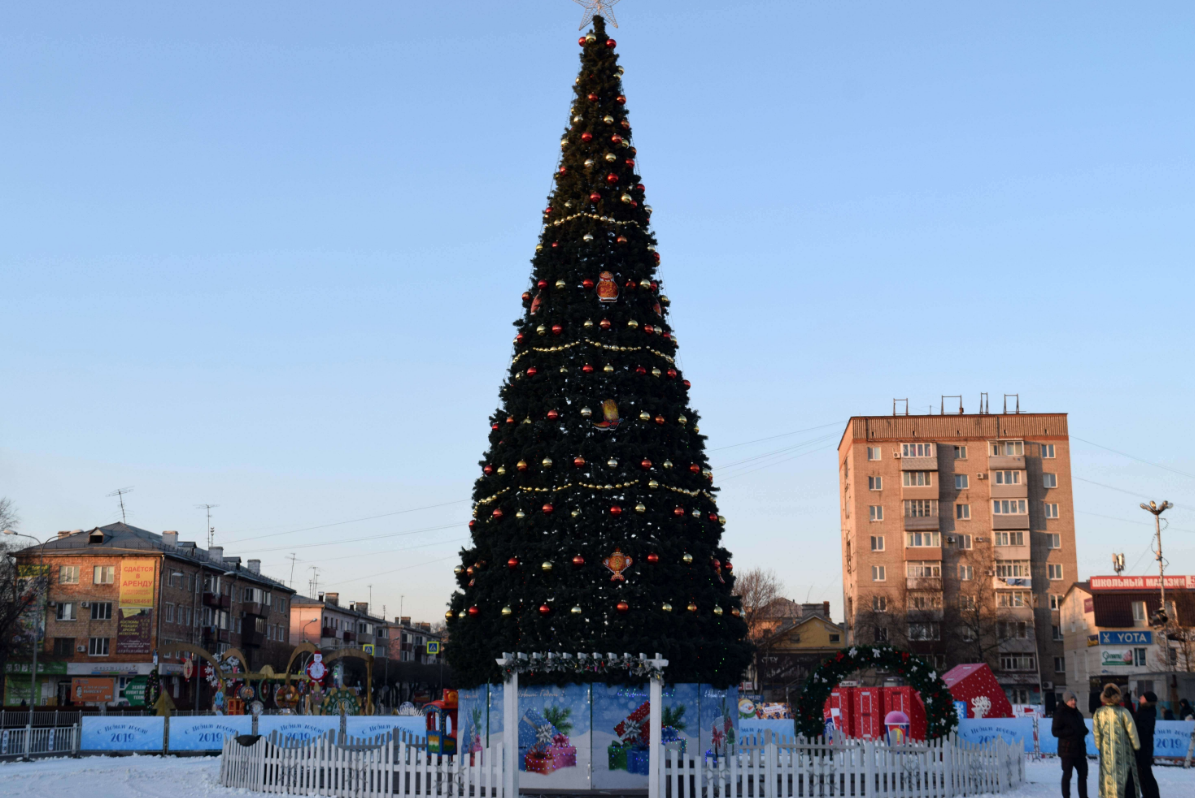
{"points": [[594, 8]]}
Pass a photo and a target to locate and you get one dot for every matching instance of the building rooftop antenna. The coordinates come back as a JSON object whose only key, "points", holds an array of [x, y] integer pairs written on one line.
{"points": [[211, 532], [119, 493]]}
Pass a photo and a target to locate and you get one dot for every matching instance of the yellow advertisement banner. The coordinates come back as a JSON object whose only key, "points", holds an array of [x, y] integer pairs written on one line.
{"points": [[137, 583]]}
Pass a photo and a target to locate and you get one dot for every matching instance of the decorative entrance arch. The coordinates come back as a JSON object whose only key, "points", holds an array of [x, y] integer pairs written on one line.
{"points": [[940, 716]]}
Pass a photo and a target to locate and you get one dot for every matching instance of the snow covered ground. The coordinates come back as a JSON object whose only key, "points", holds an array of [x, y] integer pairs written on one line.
{"points": [[164, 777]]}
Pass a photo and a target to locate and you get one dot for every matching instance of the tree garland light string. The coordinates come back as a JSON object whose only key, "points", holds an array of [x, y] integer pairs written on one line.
{"points": [[582, 663]]}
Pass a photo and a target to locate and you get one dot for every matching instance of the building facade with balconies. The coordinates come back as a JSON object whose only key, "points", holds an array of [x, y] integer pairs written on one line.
{"points": [[117, 594], [324, 622], [958, 540]]}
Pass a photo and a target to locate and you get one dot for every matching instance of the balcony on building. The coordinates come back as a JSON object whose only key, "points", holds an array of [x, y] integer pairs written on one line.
{"points": [[1010, 521], [254, 608], [919, 463], [211, 599], [924, 584], [921, 524], [1020, 491], [349, 637], [1012, 583], [252, 637], [999, 462], [1012, 552]]}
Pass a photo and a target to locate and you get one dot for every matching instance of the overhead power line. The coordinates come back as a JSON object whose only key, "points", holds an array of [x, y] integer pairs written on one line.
{"points": [[353, 520], [1134, 457]]}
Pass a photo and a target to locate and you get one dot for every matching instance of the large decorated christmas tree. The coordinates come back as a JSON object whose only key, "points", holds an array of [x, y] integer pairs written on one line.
{"points": [[595, 525]]}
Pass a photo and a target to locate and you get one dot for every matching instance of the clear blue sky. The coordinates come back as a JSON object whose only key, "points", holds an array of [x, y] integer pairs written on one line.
{"points": [[266, 255]]}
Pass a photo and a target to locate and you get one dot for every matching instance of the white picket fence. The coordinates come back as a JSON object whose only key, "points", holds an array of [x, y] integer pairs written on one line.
{"points": [[348, 767], [797, 768]]}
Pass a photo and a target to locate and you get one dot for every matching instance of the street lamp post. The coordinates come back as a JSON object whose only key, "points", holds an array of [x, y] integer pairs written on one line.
{"points": [[1157, 510], [36, 642]]}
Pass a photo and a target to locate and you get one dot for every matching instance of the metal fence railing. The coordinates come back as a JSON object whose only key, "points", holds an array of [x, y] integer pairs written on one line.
{"points": [[28, 742]]}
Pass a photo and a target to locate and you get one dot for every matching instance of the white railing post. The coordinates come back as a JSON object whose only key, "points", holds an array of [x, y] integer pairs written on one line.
{"points": [[510, 729], [655, 714]]}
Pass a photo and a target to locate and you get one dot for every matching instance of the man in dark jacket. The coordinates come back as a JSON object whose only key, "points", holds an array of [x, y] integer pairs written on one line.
{"points": [[1070, 729], [1147, 717]]}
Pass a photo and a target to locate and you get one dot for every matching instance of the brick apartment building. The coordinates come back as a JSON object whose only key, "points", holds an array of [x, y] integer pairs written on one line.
{"points": [[118, 593], [958, 541], [330, 626], [408, 641]]}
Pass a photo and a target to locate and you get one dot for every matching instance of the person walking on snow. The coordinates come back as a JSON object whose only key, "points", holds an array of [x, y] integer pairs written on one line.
{"points": [[1147, 718], [1070, 729], [1116, 740]]}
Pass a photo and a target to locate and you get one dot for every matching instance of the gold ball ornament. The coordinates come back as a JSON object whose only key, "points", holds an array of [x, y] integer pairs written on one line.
{"points": [[575, 513], [611, 157], [717, 610], [692, 607], [666, 607], [576, 610], [664, 300], [656, 372], [609, 120], [546, 566], [735, 612], [667, 464], [506, 611], [564, 369], [589, 163], [627, 198], [722, 520], [563, 143], [449, 615], [546, 462], [653, 484], [612, 463], [577, 120], [697, 513], [520, 514], [639, 508], [460, 569], [586, 412], [527, 420], [687, 558], [634, 325], [590, 38], [539, 247], [521, 465], [645, 283], [587, 237], [588, 324], [561, 284], [644, 416], [682, 420], [501, 470], [541, 329]]}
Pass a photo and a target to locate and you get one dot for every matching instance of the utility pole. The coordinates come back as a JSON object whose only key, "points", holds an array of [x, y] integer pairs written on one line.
{"points": [[119, 494], [291, 583], [1157, 509], [211, 533]]}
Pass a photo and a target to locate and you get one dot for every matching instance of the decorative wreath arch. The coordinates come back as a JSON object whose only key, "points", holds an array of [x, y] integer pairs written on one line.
{"points": [[939, 704]]}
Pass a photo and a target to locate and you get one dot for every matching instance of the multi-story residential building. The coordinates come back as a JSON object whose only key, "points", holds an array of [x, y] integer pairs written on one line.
{"points": [[958, 540], [1106, 626], [408, 641], [330, 626], [118, 594]]}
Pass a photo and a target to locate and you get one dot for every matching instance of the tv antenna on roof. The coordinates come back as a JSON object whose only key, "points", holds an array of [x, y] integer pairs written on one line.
{"points": [[211, 533], [1118, 563], [119, 494]]}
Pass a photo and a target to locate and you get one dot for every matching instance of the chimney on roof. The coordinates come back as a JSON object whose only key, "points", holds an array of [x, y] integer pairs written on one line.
{"points": [[405, 620], [216, 554], [255, 566], [826, 610], [170, 538], [425, 626], [361, 606], [332, 598], [64, 534], [321, 596]]}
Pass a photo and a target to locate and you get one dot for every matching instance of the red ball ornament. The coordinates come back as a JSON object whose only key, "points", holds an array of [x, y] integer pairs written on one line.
{"points": [[672, 374], [667, 335], [620, 240], [696, 469], [615, 510], [616, 139], [526, 296], [678, 511], [497, 512], [531, 372], [578, 561], [714, 562], [592, 98], [650, 330], [645, 463], [553, 415], [510, 419], [620, 99], [656, 255], [581, 41], [654, 284], [641, 187], [610, 178], [588, 369], [595, 198], [688, 384], [653, 558], [713, 516], [659, 420], [474, 612], [489, 469], [622, 607], [541, 284], [544, 609], [494, 426], [587, 283], [611, 43], [641, 370], [579, 461], [547, 211], [728, 566], [557, 329], [520, 338], [586, 136], [604, 324], [563, 169], [555, 244], [472, 523], [512, 563], [630, 285], [631, 162], [547, 508]]}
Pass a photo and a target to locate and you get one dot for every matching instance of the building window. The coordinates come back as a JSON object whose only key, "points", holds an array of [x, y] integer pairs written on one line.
{"points": [[1009, 507], [924, 569], [68, 575], [1010, 538], [966, 573], [882, 635], [1054, 571], [916, 450], [1008, 477], [1051, 510], [97, 647], [921, 508], [1018, 662], [1059, 664], [1012, 569], [1139, 611], [960, 452], [1047, 451], [924, 539], [962, 481], [873, 452], [875, 513], [875, 483], [282, 605], [925, 602], [169, 613], [103, 574], [66, 612], [962, 512], [879, 603], [1008, 448], [878, 573], [1055, 540], [1013, 630], [1139, 657], [1050, 480], [925, 631], [966, 602], [1056, 631], [64, 646], [918, 479], [1013, 598], [1055, 601], [963, 541], [101, 610], [877, 542], [834, 638]]}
